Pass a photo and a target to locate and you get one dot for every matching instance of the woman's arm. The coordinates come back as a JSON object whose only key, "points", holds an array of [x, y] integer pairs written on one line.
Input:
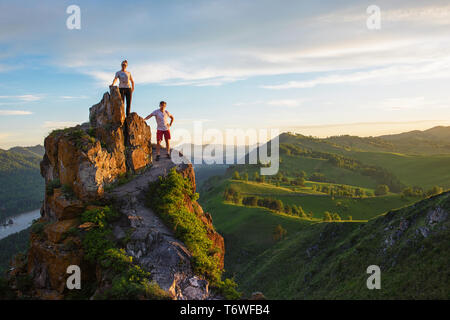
{"points": [[132, 83], [114, 81]]}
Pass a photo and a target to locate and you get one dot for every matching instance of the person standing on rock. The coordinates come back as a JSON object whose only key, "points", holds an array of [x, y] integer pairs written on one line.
{"points": [[162, 120], [126, 91]]}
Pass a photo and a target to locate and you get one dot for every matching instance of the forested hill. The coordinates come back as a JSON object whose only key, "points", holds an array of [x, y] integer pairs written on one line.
{"points": [[22, 186], [428, 142]]}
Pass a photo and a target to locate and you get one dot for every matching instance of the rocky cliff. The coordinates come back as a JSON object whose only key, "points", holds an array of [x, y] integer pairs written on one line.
{"points": [[108, 162]]}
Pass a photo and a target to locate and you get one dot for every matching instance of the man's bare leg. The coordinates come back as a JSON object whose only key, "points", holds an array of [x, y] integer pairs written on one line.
{"points": [[168, 146], [158, 147]]}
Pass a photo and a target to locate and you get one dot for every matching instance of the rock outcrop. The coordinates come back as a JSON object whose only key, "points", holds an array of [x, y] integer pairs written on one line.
{"points": [[92, 163]]}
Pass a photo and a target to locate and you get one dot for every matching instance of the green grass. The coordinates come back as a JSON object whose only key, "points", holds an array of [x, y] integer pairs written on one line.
{"points": [[413, 268], [413, 170], [168, 196], [318, 203]]}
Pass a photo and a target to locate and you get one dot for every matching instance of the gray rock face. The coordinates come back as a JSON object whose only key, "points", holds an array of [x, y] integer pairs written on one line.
{"points": [[152, 244], [436, 216]]}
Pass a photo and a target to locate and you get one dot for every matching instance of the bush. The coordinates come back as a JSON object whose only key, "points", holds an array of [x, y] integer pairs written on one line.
{"points": [[381, 190], [129, 281], [166, 196], [250, 201]]}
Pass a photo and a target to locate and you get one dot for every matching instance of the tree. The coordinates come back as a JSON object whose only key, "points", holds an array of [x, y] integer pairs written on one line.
{"points": [[279, 233], [336, 217], [434, 191], [236, 175], [288, 209], [256, 176], [381, 190], [245, 176], [327, 216]]}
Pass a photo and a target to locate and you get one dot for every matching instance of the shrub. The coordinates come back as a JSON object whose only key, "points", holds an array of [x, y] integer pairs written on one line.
{"points": [[129, 281], [166, 196], [381, 190]]}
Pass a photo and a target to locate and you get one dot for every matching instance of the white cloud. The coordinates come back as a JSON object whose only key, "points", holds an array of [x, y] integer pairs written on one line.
{"points": [[58, 124], [73, 97], [25, 97], [286, 102], [14, 113]]}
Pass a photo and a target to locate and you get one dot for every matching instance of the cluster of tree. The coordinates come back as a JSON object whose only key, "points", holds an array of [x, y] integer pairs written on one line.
{"points": [[419, 192], [12, 245], [381, 175], [233, 195], [381, 190], [328, 216], [340, 191], [23, 186]]}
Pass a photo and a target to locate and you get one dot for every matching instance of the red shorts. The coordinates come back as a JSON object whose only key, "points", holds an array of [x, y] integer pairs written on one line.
{"points": [[161, 133]]}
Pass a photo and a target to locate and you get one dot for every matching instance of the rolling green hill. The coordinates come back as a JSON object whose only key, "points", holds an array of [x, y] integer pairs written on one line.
{"points": [[22, 186], [318, 260], [306, 255], [329, 260]]}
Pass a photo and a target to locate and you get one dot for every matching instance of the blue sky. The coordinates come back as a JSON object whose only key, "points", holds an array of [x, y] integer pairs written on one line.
{"points": [[311, 67]]}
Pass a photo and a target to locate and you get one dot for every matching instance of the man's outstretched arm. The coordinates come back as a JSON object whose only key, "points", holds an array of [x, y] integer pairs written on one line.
{"points": [[149, 116]]}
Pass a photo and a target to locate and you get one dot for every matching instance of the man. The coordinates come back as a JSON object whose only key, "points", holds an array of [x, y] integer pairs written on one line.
{"points": [[162, 116], [126, 90]]}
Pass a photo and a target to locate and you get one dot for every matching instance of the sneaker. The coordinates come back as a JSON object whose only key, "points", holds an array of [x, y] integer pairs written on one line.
{"points": [[157, 157]]}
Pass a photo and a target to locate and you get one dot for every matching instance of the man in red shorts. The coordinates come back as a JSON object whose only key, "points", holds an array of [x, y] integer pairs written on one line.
{"points": [[162, 120]]}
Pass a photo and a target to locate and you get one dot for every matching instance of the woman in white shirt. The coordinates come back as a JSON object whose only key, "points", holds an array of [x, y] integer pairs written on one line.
{"points": [[125, 89]]}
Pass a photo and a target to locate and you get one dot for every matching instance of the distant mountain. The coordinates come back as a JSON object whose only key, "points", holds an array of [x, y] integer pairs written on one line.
{"points": [[37, 150], [432, 141], [22, 187]]}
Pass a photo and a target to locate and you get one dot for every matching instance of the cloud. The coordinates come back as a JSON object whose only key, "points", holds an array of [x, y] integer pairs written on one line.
{"points": [[14, 113], [25, 97], [424, 70], [286, 102], [58, 124], [73, 97], [274, 103]]}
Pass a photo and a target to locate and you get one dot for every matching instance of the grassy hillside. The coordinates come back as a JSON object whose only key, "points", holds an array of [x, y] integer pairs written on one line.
{"points": [[412, 170], [22, 186], [329, 260], [317, 260], [422, 168]]}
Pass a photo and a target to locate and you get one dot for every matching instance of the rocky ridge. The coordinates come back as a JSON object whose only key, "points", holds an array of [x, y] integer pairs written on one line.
{"points": [[108, 160]]}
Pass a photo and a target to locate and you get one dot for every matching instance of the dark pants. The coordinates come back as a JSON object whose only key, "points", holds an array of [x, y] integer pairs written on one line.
{"points": [[126, 93]]}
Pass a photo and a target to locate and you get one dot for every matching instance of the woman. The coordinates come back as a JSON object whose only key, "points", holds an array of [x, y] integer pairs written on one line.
{"points": [[126, 90]]}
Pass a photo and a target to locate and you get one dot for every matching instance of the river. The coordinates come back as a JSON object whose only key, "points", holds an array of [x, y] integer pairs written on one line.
{"points": [[20, 222]]}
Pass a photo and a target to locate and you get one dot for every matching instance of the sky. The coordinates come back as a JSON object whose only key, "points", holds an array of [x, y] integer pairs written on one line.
{"points": [[311, 67]]}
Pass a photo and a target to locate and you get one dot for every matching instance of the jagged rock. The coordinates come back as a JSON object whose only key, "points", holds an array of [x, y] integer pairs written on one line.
{"points": [[78, 166], [437, 215], [55, 231], [109, 111], [139, 148], [59, 207], [152, 244]]}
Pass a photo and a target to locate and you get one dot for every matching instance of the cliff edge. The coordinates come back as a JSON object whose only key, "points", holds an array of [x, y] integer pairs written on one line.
{"points": [[96, 171]]}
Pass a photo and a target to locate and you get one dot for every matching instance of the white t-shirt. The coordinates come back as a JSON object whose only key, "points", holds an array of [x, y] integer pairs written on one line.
{"points": [[162, 119], [124, 79]]}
